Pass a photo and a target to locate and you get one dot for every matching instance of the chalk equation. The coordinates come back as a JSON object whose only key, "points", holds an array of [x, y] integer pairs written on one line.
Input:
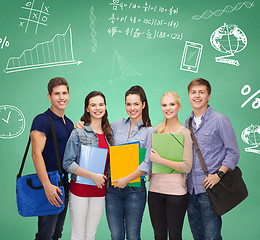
{"points": [[148, 21], [117, 5], [12, 122], [228, 9], [4, 42], [34, 16], [56, 52], [93, 31], [246, 90], [121, 69], [228, 39], [149, 34], [191, 57], [251, 136]]}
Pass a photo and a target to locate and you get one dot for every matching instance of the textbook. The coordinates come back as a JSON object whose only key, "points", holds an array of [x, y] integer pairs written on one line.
{"points": [[169, 146], [124, 159], [92, 159]]}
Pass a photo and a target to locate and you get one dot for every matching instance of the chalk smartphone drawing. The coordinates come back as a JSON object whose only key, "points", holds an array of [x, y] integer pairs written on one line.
{"points": [[251, 136], [228, 39], [228, 9], [53, 53], [121, 69], [34, 16], [246, 90], [191, 57], [93, 32], [12, 122]]}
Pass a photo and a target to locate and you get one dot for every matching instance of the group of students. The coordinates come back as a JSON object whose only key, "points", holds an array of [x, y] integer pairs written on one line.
{"points": [[169, 195]]}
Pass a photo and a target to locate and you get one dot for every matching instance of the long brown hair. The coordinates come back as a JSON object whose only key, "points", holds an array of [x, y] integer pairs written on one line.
{"points": [[105, 123], [145, 112]]}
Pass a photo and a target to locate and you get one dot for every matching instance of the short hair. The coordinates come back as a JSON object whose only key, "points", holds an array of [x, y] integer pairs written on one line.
{"points": [[57, 81], [200, 81]]}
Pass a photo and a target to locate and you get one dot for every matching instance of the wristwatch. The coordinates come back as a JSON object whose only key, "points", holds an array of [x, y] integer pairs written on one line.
{"points": [[220, 174]]}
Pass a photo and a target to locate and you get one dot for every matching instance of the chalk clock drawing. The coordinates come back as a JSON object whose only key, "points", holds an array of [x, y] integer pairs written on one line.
{"points": [[121, 69], [12, 122], [251, 136], [228, 39], [191, 57], [57, 52], [228, 9], [35, 16]]}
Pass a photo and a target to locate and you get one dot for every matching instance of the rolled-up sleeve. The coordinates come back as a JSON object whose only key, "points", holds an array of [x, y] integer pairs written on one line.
{"points": [[228, 136], [146, 165], [71, 153]]}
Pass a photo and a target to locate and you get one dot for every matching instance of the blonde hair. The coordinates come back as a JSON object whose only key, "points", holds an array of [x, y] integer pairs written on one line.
{"points": [[161, 126]]}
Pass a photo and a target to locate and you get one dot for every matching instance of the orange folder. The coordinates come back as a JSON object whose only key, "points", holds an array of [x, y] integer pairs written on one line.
{"points": [[124, 159]]}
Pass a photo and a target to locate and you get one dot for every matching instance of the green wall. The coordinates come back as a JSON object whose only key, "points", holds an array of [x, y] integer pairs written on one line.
{"points": [[96, 45]]}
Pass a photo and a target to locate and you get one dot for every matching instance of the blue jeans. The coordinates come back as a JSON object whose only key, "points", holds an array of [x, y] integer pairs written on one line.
{"points": [[204, 224], [124, 211], [50, 227]]}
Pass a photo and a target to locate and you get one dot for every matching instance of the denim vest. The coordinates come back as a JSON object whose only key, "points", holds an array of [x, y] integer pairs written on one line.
{"points": [[77, 138]]}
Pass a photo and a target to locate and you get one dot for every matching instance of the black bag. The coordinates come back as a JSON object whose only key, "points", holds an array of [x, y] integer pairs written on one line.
{"points": [[229, 191]]}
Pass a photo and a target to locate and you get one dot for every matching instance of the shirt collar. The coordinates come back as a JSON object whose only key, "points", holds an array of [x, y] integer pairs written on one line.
{"points": [[206, 114], [137, 124], [52, 114]]}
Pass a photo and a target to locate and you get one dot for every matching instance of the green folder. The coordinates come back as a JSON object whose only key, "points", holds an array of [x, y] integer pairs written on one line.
{"points": [[142, 152], [169, 146]]}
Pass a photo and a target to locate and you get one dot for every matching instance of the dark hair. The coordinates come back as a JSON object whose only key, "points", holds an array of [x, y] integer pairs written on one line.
{"points": [[145, 112], [200, 81], [105, 123], [57, 81]]}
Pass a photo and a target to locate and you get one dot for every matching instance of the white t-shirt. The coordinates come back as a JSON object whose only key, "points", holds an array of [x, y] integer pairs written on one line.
{"points": [[197, 120]]}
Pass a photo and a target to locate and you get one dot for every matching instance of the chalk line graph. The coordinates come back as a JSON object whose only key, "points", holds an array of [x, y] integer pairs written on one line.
{"points": [[228, 9], [53, 53], [121, 69], [35, 16], [93, 32]]}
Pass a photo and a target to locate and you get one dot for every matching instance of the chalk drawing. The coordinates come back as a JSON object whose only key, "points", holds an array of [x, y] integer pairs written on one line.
{"points": [[93, 32], [34, 16], [4, 42], [57, 52], [228, 39], [121, 69], [228, 9], [251, 136], [245, 91], [191, 57], [12, 122]]}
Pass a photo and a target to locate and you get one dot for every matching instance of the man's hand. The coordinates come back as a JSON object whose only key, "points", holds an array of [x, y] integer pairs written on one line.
{"points": [[211, 180], [52, 195]]}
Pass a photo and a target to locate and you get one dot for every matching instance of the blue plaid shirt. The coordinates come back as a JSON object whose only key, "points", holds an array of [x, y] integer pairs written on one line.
{"points": [[217, 142]]}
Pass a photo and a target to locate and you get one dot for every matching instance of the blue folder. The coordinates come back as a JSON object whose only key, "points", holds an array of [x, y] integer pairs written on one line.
{"points": [[92, 159]]}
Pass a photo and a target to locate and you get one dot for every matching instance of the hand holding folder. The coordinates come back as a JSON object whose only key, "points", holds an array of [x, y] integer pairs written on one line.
{"points": [[92, 159], [170, 147]]}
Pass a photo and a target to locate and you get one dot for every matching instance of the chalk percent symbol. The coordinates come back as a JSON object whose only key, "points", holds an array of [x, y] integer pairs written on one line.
{"points": [[4, 42], [245, 91]]}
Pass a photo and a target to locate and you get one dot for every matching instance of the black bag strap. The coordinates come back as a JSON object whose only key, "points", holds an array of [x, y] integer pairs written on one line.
{"points": [[197, 149], [55, 146]]}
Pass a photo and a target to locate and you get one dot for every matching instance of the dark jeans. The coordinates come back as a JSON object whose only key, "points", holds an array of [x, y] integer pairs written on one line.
{"points": [[204, 224], [124, 211], [50, 227], [167, 213]]}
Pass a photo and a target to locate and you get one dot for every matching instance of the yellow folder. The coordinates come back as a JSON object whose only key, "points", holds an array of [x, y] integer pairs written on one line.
{"points": [[124, 159]]}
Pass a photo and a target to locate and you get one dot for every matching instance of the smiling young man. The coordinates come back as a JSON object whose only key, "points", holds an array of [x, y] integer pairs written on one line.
{"points": [[44, 157], [217, 142]]}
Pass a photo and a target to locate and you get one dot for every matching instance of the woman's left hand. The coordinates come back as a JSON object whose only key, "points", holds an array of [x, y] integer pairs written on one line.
{"points": [[120, 183], [154, 156]]}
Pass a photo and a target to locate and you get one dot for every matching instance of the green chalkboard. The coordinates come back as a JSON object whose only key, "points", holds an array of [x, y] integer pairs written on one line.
{"points": [[110, 45]]}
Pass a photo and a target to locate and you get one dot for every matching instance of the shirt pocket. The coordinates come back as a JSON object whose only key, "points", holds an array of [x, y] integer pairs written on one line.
{"points": [[207, 137], [88, 141]]}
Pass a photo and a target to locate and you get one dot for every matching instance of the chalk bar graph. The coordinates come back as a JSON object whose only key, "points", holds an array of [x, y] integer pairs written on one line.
{"points": [[56, 52]]}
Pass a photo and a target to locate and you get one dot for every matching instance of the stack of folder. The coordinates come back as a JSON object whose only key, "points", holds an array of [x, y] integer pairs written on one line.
{"points": [[169, 146], [124, 159]]}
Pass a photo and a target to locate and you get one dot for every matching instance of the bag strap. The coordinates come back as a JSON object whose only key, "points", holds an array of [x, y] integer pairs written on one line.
{"points": [[197, 149], [56, 150]]}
